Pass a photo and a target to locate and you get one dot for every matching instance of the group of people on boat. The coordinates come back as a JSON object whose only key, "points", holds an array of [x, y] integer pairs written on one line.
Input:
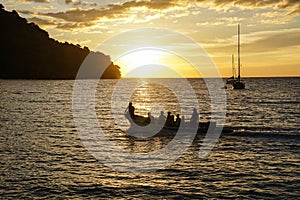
{"points": [[168, 120]]}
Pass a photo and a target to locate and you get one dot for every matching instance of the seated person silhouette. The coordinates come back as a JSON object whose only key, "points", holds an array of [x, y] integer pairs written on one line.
{"points": [[162, 118], [150, 118], [183, 121], [178, 120], [194, 122], [170, 119]]}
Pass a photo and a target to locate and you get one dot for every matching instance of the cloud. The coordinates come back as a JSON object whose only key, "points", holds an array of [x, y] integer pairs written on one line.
{"points": [[296, 11], [293, 5], [60, 25], [273, 17], [43, 7], [119, 10], [71, 26], [260, 42], [39, 1], [27, 12], [281, 4], [41, 22], [131, 11], [110, 11], [153, 4], [274, 40], [288, 3], [79, 15], [79, 2]]}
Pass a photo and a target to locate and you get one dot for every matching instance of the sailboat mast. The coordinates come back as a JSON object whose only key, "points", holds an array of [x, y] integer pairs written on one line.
{"points": [[239, 56], [239, 84], [232, 64]]}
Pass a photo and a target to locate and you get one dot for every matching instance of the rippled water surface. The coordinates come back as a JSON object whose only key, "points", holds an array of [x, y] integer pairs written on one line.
{"points": [[43, 156]]}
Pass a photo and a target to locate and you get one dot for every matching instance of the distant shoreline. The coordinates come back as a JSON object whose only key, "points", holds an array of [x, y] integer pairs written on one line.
{"points": [[28, 52]]}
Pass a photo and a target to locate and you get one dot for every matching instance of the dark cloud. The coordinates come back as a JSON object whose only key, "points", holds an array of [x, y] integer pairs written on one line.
{"points": [[40, 21], [79, 2], [111, 11], [60, 25], [296, 11], [71, 26], [154, 4], [80, 15], [27, 12], [288, 3], [38, 1], [68, 1]]}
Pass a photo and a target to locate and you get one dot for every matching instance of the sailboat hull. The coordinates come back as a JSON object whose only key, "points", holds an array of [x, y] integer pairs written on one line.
{"points": [[230, 81], [238, 85]]}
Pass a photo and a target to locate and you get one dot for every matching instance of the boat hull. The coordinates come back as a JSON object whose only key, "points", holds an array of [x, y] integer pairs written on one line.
{"points": [[142, 127], [238, 85], [154, 130], [230, 81]]}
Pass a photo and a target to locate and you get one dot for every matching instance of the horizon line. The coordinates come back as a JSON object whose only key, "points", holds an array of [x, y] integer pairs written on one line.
{"points": [[246, 77]]}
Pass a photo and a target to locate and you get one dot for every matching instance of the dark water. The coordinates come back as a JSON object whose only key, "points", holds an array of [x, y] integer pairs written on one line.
{"points": [[42, 155]]}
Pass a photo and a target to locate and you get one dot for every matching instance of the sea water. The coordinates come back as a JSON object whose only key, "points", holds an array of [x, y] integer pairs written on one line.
{"points": [[43, 156]]}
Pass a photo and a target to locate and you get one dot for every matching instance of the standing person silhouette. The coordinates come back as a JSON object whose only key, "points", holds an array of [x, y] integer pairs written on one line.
{"points": [[130, 110]]}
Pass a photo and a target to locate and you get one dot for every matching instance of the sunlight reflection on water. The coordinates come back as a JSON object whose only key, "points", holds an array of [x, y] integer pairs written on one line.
{"points": [[43, 157]]}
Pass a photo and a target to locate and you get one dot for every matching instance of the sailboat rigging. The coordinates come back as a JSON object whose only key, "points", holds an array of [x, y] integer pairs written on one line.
{"points": [[236, 82], [239, 84], [232, 78]]}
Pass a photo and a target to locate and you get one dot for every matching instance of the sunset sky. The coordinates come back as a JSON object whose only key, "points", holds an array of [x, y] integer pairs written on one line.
{"points": [[270, 29]]}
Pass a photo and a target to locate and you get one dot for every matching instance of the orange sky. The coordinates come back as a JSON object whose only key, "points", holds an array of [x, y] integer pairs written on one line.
{"points": [[270, 30]]}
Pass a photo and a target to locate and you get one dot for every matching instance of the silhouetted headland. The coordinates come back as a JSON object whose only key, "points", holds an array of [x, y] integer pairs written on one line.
{"points": [[29, 53]]}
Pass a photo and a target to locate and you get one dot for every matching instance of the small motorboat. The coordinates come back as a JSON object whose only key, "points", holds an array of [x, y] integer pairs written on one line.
{"points": [[142, 126]]}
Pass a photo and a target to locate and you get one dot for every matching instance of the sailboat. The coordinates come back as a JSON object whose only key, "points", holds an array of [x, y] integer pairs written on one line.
{"points": [[231, 80], [238, 84]]}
